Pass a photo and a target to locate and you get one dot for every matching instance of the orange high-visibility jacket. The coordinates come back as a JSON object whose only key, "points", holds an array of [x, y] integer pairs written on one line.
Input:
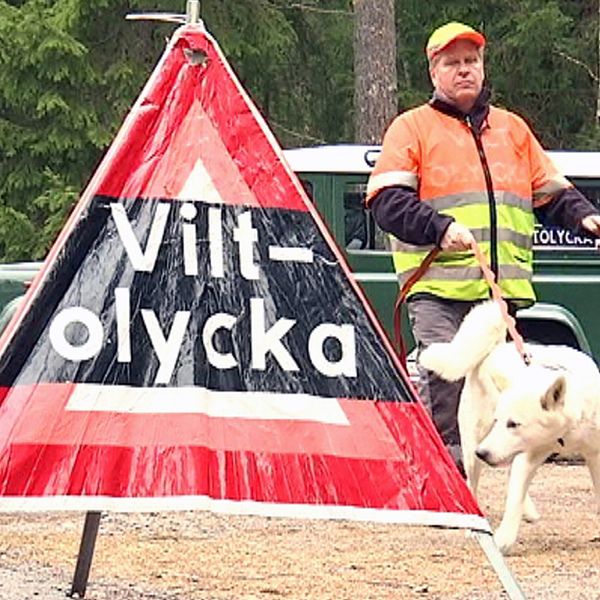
{"points": [[489, 181]]}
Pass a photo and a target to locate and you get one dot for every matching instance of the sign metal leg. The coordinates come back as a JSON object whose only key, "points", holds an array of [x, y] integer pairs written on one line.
{"points": [[496, 560], [86, 553]]}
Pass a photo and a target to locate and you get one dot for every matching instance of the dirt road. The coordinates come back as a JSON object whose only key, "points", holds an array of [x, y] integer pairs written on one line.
{"points": [[200, 556]]}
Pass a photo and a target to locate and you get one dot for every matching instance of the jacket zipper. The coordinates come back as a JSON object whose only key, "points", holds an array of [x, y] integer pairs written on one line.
{"points": [[476, 133]]}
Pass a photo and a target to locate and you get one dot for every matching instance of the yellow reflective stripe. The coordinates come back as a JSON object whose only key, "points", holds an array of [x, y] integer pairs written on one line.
{"points": [[383, 180], [410, 261], [508, 198], [468, 273], [443, 203], [405, 264], [474, 290], [523, 240], [509, 254], [514, 263], [509, 217], [403, 261], [481, 236], [469, 198]]}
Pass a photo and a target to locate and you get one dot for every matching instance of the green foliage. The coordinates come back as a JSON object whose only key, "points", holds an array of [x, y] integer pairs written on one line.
{"points": [[55, 202], [64, 85], [534, 78]]}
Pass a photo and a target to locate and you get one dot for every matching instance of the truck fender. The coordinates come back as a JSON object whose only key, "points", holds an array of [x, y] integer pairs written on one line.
{"points": [[545, 323]]}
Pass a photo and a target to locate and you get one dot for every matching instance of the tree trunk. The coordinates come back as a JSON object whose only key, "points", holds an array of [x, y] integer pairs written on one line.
{"points": [[375, 78]]}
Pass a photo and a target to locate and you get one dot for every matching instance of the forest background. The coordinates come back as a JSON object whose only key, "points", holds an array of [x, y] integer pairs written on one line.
{"points": [[71, 69]]}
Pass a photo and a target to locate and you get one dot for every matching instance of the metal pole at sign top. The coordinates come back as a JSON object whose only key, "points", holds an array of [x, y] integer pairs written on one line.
{"points": [[193, 11]]}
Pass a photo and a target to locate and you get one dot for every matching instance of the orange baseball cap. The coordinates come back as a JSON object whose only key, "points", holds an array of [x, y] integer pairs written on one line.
{"points": [[443, 36]]}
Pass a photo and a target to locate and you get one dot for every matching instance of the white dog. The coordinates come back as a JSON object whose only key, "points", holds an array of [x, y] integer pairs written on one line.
{"points": [[513, 413]]}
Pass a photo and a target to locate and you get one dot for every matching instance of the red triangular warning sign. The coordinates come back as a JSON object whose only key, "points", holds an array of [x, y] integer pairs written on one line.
{"points": [[194, 339]]}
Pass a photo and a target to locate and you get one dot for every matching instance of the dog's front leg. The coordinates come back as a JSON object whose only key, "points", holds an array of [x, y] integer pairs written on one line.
{"points": [[522, 469], [530, 512], [475, 418], [593, 463]]}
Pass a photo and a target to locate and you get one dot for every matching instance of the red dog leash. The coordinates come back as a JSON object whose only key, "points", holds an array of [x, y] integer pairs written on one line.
{"points": [[496, 295]]}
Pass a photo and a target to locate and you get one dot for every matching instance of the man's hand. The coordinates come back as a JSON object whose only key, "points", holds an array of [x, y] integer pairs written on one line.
{"points": [[592, 224], [458, 237]]}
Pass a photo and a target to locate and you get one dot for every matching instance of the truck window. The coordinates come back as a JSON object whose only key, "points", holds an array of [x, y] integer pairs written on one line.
{"points": [[360, 230], [308, 188]]}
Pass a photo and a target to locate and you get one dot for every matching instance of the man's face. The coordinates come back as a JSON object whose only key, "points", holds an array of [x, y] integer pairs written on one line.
{"points": [[457, 74]]}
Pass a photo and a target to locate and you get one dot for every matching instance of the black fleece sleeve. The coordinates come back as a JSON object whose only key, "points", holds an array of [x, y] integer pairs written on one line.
{"points": [[398, 210], [567, 209]]}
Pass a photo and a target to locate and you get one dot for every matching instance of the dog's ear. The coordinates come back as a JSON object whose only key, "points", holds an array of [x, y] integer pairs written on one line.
{"points": [[554, 397]]}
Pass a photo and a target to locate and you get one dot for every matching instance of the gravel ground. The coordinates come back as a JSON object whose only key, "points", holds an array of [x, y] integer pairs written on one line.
{"points": [[200, 556]]}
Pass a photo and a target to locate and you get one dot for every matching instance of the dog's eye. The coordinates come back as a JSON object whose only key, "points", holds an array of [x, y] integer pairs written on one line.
{"points": [[510, 424]]}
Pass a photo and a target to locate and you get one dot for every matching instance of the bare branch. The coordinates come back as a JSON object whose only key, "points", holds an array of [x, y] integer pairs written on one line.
{"points": [[296, 134], [325, 11], [579, 63]]}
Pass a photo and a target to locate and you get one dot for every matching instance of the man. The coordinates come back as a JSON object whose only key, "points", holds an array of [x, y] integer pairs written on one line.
{"points": [[454, 171]]}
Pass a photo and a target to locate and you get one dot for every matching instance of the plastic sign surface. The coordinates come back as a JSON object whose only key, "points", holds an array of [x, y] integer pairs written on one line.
{"points": [[194, 339]]}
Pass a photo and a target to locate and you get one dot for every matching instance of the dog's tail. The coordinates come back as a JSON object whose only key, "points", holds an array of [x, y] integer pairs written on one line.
{"points": [[480, 332]]}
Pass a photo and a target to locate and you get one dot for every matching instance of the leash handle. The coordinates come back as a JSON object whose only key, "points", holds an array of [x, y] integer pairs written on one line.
{"points": [[497, 296]]}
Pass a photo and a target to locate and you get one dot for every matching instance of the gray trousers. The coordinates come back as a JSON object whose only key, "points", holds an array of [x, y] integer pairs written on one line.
{"points": [[432, 320]]}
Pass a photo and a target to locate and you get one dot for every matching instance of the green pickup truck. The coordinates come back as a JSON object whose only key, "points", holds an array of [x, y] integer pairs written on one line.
{"points": [[14, 278], [567, 267]]}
